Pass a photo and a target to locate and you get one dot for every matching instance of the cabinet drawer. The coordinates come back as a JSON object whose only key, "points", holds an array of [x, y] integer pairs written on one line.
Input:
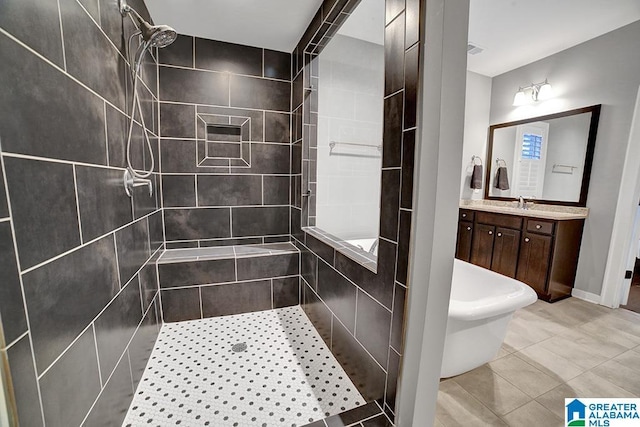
{"points": [[466, 215], [509, 221], [540, 226]]}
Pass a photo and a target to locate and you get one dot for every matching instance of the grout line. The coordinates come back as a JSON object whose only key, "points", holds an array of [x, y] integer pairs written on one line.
{"points": [[85, 244], [7, 219], [95, 342], [200, 300], [11, 344], [223, 73], [24, 297], [115, 246], [193, 56], [64, 54], [66, 162], [106, 134], [257, 110], [75, 190]]}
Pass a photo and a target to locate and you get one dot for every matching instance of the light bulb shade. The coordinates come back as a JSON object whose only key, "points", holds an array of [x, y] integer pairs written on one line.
{"points": [[520, 99], [545, 92]]}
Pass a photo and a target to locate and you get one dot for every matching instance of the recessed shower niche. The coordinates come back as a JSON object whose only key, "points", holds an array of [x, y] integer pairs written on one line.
{"points": [[224, 140]]}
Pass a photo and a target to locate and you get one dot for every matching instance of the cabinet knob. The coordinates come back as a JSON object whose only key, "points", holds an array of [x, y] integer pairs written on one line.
{"points": [[499, 234], [526, 239], [490, 232], [468, 228], [538, 226], [464, 215]]}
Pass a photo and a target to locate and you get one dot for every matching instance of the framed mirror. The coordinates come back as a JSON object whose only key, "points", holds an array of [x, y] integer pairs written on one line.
{"points": [[547, 159]]}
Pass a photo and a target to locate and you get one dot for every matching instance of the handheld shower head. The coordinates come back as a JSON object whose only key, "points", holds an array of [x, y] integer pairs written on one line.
{"points": [[154, 35]]}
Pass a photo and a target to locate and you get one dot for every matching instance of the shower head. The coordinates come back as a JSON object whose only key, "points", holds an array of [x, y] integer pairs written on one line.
{"points": [[153, 35]]}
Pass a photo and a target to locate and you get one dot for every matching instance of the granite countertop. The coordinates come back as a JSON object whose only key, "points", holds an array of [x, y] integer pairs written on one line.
{"points": [[533, 210]]}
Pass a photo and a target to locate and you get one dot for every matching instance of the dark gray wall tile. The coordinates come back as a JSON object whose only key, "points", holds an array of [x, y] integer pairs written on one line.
{"points": [[373, 324], [51, 289], [404, 239], [179, 190], [393, 8], [338, 293], [277, 127], [228, 57], [24, 383], [117, 128], [397, 326], [71, 386], [276, 190], [365, 373], [116, 325], [354, 415], [203, 223], [390, 204], [412, 20], [14, 14], [318, 313], [379, 421], [235, 298], [237, 114], [277, 64], [132, 244], [408, 156], [178, 156], [83, 43], [181, 304], [74, 116], [309, 267], [193, 86], [112, 405], [104, 205], [143, 341], [252, 92], [392, 139], [268, 159], [393, 373], [267, 266], [115, 26], [177, 120], [156, 234], [196, 273], [43, 204], [148, 278], [14, 321], [320, 248], [4, 209], [394, 56], [143, 203], [180, 52], [238, 190], [411, 77], [259, 221], [286, 292]]}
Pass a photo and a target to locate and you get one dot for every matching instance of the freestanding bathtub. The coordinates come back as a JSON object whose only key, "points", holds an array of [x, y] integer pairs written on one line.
{"points": [[482, 303]]}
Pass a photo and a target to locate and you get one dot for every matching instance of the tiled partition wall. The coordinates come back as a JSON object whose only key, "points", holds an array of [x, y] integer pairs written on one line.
{"points": [[225, 152], [78, 292], [360, 314]]}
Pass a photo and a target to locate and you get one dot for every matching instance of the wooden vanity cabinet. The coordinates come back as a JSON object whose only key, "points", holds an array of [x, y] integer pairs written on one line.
{"points": [[540, 252]]}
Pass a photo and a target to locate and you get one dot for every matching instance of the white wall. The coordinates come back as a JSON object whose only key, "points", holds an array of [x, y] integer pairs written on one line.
{"points": [[605, 70], [476, 127], [350, 109]]}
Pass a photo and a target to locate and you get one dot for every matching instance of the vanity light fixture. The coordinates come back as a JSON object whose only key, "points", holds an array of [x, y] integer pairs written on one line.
{"points": [[534, 92]]}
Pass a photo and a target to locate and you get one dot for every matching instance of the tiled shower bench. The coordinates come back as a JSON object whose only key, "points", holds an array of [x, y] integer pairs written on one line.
{"points": [[197, 283]]}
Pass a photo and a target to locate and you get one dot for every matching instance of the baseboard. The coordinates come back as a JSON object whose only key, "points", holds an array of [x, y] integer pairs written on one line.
{"points": [[585, 296]]}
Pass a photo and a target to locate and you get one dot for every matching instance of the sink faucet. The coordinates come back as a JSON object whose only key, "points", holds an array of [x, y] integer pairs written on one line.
{"points": [[522, 203]]}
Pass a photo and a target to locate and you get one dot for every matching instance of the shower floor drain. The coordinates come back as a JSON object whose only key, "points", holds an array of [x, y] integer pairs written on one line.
{"points": [[241, 346]]}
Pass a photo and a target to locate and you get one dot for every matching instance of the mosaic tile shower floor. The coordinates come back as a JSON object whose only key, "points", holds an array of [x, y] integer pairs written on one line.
{"points": [[199, 374]]}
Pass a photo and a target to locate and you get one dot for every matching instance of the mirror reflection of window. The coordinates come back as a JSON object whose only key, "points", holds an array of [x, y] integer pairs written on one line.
{"points": [[530, 160]]}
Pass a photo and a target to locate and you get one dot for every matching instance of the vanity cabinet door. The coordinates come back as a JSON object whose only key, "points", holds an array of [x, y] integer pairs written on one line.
{"points": [[463, 246], [505, 251], [482, 246], [533, 263]]}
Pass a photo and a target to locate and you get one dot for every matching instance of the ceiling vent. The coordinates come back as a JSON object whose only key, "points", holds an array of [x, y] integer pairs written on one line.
{"points": [[473, 49]]}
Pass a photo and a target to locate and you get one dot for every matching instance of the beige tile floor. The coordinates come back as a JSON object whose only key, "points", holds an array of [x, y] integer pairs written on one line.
{"points": [[571, 348]]}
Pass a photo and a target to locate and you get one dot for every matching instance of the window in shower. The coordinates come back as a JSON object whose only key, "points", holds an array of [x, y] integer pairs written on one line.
{"points": [[350, 91]]}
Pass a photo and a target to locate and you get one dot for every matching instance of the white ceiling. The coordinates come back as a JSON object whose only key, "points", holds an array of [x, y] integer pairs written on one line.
{"points": [[512, 32], [517, 32], [272, 24]]}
